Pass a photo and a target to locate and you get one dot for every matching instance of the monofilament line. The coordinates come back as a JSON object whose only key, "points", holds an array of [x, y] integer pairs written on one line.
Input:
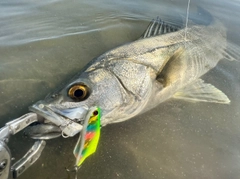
{"points": [[188, 6]]}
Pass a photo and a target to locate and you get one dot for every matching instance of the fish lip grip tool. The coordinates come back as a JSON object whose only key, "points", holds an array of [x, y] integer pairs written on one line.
{"points": [[8, 170]]}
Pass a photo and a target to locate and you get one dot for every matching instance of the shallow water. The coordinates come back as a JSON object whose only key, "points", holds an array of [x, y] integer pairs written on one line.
{"points": [[44, 44]]}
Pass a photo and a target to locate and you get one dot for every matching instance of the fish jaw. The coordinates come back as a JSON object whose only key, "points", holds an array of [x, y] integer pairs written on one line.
{"points": [[61, 118]]}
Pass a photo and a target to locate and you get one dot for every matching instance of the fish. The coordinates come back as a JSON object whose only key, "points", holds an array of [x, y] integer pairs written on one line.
{"points": [[167, 61]]}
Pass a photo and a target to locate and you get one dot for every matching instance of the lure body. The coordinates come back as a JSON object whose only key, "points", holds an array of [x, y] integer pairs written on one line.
{"points": [[89, 136]]}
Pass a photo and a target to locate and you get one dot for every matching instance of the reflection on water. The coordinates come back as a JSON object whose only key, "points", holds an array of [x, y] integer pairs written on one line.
{"points": [[44, 44]]}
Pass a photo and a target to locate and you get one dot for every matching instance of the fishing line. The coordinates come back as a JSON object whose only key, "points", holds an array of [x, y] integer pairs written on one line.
{"points": [[188, 6]]}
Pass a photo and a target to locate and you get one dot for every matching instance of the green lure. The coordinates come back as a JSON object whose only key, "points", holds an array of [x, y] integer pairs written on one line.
{"points": [[89, 136]]}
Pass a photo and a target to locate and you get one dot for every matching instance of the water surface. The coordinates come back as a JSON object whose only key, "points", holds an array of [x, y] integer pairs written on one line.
{"points": [[45, 43]]}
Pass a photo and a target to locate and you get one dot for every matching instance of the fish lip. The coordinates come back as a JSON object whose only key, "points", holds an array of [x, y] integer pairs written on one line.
{"points": [[41, 109], [54, 114], [69, 127], [74, 114]]}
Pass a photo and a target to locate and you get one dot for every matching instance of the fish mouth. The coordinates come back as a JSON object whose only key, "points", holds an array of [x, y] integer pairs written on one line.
{"points": [[60, 118]]}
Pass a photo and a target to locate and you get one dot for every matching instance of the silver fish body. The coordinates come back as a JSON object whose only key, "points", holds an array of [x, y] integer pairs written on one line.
{"points": [[137, 76]]}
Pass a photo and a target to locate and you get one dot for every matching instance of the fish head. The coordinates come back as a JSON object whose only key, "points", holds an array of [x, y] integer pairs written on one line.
{"points": [[96, 87]]}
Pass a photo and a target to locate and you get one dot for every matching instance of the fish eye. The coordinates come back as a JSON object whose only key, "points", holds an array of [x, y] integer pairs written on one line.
{"points": [[78, 92]]}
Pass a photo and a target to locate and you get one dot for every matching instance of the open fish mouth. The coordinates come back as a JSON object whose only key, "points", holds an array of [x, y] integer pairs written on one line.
{"points": [[62, 122]]}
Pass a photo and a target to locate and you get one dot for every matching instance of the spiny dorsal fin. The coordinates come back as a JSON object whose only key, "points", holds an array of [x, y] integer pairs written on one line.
{"points": [[201, 91], [158, 27]]}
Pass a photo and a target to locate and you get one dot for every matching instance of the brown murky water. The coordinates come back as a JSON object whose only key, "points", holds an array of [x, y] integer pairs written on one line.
{"points": [[44, 44]]}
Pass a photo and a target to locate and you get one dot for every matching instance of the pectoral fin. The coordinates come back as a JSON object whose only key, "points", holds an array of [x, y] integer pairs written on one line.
{"points": [[173, 68], [201, 91]]}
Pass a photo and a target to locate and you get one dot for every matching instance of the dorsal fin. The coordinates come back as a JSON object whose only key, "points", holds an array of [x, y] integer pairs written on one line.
{"points": [[158, 27]]}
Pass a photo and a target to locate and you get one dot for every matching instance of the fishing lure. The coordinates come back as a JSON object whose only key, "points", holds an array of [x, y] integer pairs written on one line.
{"points": [[89, 136]]}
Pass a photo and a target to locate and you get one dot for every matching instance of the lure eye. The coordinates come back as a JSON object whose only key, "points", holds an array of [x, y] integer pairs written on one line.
{"points": [[78, 92], [95, 113]]}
